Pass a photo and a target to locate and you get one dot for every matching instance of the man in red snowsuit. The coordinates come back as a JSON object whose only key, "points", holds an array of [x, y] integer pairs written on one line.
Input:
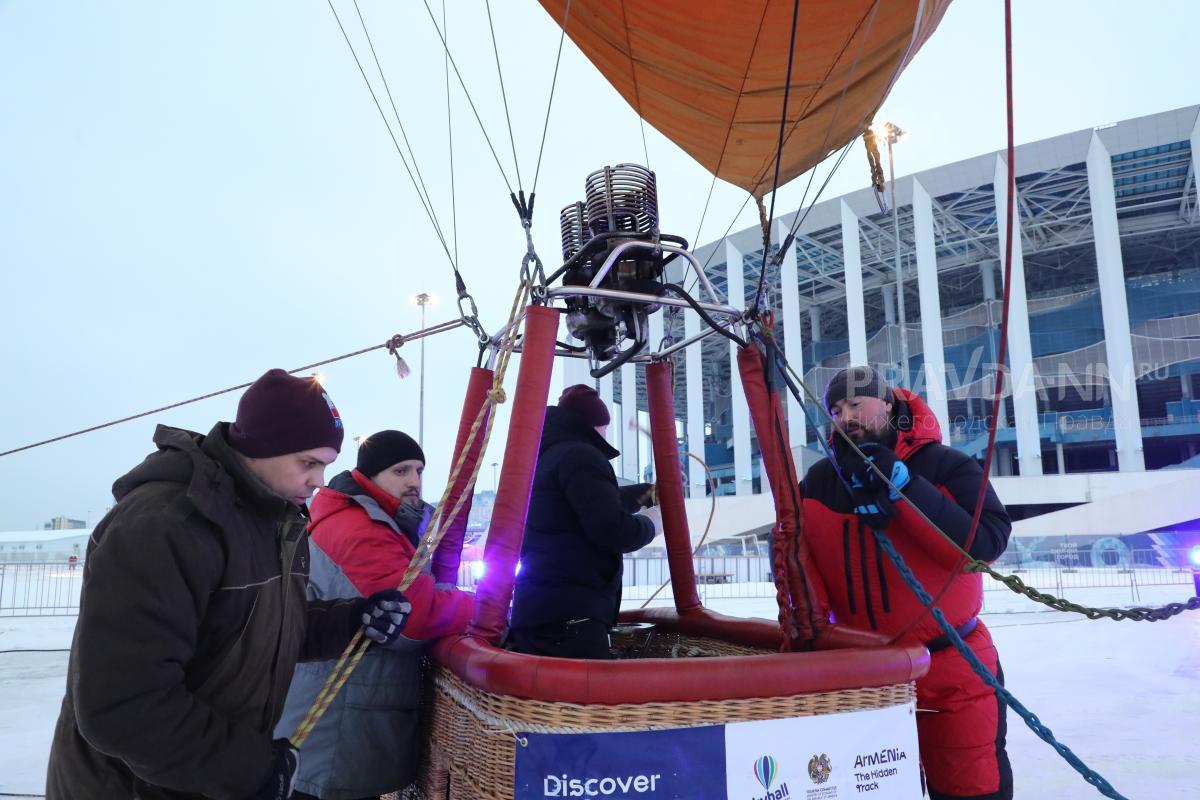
{"points": [[961, 722]]}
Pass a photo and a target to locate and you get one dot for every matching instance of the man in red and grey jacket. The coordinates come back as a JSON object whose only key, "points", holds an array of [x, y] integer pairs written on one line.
{"points": [[365, 529], [961, 723]]}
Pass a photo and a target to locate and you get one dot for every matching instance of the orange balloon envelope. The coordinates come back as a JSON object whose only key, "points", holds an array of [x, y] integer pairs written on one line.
{"points": [[710, 74]]}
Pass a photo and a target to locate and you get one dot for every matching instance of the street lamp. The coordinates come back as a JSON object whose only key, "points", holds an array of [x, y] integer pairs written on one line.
{"points": [[891, 133], [423, 299], [494, 463]]}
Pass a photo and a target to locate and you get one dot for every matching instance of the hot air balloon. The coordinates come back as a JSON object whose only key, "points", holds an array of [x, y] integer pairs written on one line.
{"points": [[711, 76]]}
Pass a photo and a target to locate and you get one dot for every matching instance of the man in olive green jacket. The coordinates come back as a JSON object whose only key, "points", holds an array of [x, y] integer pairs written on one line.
{"points": [[194, 612]]}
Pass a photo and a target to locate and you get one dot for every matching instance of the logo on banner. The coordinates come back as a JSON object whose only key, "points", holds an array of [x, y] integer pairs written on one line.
{"points": [[819, 768], [764, 770]]}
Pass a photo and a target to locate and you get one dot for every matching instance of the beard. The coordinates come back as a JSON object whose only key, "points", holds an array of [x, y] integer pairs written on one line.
{"points": [[862, 434]]}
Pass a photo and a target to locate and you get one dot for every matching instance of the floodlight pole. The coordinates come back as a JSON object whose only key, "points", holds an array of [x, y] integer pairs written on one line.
{"points": [[893, 135]]}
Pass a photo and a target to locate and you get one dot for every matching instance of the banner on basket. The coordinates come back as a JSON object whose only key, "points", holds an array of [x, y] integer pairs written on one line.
{"points": [[644, 765], [869, 754]]}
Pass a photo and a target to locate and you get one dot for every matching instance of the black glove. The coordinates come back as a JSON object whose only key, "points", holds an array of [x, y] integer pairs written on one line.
{"points": [[384, 615], [285, 763], [873, 499], [637, 496], [413, 519], [862, 477]]}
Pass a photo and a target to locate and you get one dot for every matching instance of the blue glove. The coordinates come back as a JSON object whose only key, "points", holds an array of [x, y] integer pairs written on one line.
{"points": [[384, 615], [285, 763], [865, 479]]}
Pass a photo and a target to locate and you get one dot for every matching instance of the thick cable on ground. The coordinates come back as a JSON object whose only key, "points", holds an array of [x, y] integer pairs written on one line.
{"points": [[660, 397], [516, 478]]}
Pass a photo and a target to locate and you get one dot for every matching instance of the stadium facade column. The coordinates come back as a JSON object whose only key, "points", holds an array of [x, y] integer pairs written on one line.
{"points": [[814, 322], [856, 314], [629, 433], [789, 278], [1114, 306], [739, 411], [987, 276], [932, 344], [1021, 378], [694, 372]]}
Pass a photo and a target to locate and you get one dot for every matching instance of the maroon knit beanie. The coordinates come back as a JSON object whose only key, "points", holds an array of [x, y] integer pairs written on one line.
{"points": [[281, 414], [585, 401]]}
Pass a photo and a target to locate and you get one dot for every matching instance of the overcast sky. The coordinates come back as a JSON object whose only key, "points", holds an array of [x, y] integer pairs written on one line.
{"points": [[191, 194]]}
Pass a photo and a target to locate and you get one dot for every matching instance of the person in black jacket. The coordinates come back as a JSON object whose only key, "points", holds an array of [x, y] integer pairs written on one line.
{"points": [[580, 524], [194, 612]]}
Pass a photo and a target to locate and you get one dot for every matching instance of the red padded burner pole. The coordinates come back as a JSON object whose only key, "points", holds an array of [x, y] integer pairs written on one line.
{"points": [[449, 553], [669, 475], [516, 478], [799, 622]]}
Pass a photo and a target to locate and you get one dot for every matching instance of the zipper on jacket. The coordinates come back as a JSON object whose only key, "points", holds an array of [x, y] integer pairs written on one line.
{"points": [[866, 576], [846, 565]]}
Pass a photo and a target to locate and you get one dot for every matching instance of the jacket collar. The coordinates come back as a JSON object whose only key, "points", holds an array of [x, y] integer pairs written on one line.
{"points": [[562, 425], [216, 477], [351, 488], [916, 425]]}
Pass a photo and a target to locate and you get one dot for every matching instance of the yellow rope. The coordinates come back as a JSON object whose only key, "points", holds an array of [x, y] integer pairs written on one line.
{"points": [[438, 524]]}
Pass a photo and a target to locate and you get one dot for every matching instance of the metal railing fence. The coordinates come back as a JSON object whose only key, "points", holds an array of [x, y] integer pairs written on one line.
{"points": [[52, 588]]}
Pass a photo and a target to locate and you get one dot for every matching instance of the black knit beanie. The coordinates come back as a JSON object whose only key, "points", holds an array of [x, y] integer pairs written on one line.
{"points": [[856, 382], [381, 450]]}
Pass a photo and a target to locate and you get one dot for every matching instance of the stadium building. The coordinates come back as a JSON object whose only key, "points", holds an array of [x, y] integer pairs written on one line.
{"points": [[1101, 437]]}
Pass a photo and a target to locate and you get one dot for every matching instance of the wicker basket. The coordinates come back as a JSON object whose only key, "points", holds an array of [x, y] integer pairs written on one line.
{"points": [[472, 735]]}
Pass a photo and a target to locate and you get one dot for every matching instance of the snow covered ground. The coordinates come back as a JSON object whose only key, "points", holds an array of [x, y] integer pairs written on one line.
{"points": [[1124, 696]]}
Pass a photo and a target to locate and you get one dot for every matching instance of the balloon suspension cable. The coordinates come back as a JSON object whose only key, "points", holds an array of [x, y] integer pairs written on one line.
{"points": [[550, 102], [729, 128], [436, 529], [390, 344], [869, 20], [418, 183], [765, 217], [503, 94], [467, 94], [450, 137]]}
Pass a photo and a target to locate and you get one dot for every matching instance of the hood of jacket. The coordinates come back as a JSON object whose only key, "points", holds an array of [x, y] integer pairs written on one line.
{"points": [[215, 475], [914, 422], [562, 425]]}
